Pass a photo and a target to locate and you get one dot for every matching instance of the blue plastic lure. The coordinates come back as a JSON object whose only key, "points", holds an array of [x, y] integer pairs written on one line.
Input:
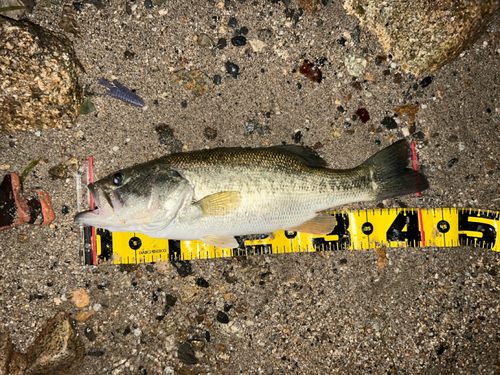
{"points": [[122, 93]]}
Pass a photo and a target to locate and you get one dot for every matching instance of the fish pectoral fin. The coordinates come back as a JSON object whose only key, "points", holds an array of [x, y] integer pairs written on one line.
{"points": [[322, 223], [223, 241], [219, 204]]}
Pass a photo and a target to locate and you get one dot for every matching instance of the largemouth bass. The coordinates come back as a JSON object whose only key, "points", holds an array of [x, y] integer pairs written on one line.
{"points": [[215, 195]]}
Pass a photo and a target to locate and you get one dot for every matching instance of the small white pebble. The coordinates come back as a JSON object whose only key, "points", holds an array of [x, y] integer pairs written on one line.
{"points": [[127, 140], [424, 106], [137, 332], [63, 298], [37, 133], [340, 74], [116, 148], [97, 307], [406, 132], [394, 65], [461, 146]]}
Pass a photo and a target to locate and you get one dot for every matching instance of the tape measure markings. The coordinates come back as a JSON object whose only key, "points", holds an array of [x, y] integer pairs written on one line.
{"points": [[356, 230]]}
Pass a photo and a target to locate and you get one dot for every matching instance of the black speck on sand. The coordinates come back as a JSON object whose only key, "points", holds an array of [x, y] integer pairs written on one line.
{"points": [[428, 311]]}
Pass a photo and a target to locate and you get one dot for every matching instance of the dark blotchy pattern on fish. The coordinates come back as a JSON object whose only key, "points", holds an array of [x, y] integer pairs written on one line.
{"points": [[122, 93]]}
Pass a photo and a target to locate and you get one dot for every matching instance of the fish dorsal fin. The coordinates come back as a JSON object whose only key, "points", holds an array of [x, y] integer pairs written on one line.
{"points": [[322, 223], [219, 204], [307, 155], [223, 241]]}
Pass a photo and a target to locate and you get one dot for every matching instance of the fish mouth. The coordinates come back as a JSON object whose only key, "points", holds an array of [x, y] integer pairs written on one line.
{"points": [[105, 205]]}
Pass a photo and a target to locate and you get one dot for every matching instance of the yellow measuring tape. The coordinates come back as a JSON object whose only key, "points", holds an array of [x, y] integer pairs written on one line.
{"points": [[355, 230]]}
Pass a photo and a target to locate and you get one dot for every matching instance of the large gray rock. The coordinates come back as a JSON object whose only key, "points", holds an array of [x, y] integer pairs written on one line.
{"points": [[56, 351], [423, 35], [38, 78]]}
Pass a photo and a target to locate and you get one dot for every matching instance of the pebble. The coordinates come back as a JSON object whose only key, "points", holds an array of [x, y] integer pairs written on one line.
{"points": [[198, 345], [264, 34], [115, 148], [83, 316], [200, 281], [128, 55], [222, 317], [355, 65], [244, 30], [148, 4], [232, 69], [221, 43], [59, 171], [185, 353], [389, 123], [257, 45], [80, 298], [22, 238], [184, 104], [217, 79], [89, 333], [311, 71], [137, 332], [170, 300], [297, 137], [452, 162], [355, 34], [238, 41], [165, 134], [253, 127], [183, 267], [363, 115], [210, 133], [205, 41], [426, 82], [97, 307], [232, 23]]}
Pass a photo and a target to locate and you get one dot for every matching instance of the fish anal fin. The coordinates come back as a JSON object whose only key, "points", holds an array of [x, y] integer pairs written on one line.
{"points": [[322, 223], [219, 204], [222, 241]]}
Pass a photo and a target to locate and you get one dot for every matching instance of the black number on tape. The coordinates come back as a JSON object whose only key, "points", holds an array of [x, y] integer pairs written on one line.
{"points": [[411, 235], [341, 230], [174, 250], [485, 235], [106, 243], [443, 226], [135, 243]]}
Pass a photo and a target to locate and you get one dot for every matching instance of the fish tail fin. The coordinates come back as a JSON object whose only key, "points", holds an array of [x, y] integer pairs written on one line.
{"points": [[390, 175]]}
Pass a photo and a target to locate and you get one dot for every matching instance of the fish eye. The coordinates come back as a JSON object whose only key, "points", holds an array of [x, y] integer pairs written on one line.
{"points": [[117, 178]]}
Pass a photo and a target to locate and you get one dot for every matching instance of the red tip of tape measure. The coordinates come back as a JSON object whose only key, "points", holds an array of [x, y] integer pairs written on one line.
{"points": [[421, 220], [91, 180]]}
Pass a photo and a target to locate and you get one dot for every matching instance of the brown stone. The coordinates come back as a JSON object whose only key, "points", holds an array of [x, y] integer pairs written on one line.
{"points": [[38, 78], [57, 349], [6, 350], [18, 364], [423, 35]]}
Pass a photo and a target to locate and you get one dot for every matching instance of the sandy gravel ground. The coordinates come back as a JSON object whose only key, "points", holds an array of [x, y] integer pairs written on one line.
{"points": [[429, 310]]}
